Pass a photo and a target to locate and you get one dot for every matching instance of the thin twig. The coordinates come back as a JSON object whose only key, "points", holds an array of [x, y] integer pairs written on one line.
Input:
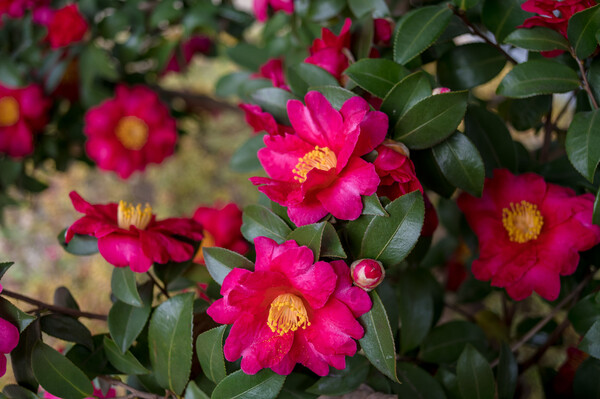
{"points": [[53, 308], [159, 285], [134, 392], [586, 84], [460, 310], [549, 342], [563, 110]]}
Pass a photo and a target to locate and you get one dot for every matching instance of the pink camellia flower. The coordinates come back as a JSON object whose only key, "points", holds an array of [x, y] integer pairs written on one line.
{"points": [[260, 121], [367, 273], [129, 131], [111, 393], [382, 34], [14, 8], [319, 169], [273, 70], [290, 310], [529, 231], [331, 51], [23, 112], [261, 7], [9, 338], [66, 26], [131, 236], [199, 44], [221, 229]]}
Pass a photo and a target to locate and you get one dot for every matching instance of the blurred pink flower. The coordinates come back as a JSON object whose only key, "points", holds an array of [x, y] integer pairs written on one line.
{"points": [[330, 51], [261, 7], [66, 26], [199, 44]]}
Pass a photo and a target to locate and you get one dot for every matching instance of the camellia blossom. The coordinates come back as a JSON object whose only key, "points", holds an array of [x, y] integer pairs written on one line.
{"points": [[23, 112], [129, 131], [319, 169], [198, 44], [221, 229], [260, 120], [66, 26], [9, 338], [529, 231], [261, 7], [131, 236], [367, 274], [273, 70], [290, 310], [383, 30], [330, 52]]}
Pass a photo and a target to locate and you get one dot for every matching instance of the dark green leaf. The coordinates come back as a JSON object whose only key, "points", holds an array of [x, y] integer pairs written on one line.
{"points": [[502, 17], [445, 343], [311, 236], [10, 170], [245, 160], [538, 77], [79, 245], [259, 221], [429, 173], [64, 298], [525, 113], [584, 314], [331, 246], [376, 75], [361, 7], [325, 9], [4, 266], [124, 362], [10, 75], [475, 377], [229, 85], [465, 4], [340, 382], [582, 31], [209, 348], [586, 384], [590, 343], [13, 391], [126, 322], [248, 55], [538, 39], [470, 65], [20, 357], [302, 76], [363, 36], [404, 95], [295, 387], [583, 143], [274, 101], [596, 216], [193, 392], [265, 385], [417, 383], [66, 328], [14, 315], [92, 362], [507, 373], [124, 287], [220, 261], [416, 308], [337, 96], [372, 206], [164, 12]]}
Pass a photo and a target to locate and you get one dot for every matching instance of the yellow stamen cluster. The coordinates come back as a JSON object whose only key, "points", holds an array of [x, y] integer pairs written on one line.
{"points": [[132, 132], [523, 221], [321, 158], [9, 111], [287, 313], [128, 215]]}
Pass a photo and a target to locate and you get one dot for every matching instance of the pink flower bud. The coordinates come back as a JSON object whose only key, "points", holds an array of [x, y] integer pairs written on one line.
{"points": [[440, 90], [367, 273]]}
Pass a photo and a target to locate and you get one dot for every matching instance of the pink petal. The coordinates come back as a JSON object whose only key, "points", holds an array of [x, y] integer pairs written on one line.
{"points": [[123, 250]]}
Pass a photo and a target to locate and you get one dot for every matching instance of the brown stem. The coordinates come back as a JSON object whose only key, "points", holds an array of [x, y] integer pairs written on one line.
{"points": [[159, 285], [584, 80], [135, 392], [196, 102], [53, 308]]}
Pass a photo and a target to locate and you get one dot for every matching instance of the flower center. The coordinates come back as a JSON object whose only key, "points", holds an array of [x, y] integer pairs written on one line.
{"points": [[132, 132], [208, 240], [9, 111], [128, 215], [523, 221], [321, 158], [287, 313]]}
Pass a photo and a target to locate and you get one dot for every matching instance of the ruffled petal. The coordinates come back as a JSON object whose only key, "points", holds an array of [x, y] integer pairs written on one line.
{"points": [[123, 250]]}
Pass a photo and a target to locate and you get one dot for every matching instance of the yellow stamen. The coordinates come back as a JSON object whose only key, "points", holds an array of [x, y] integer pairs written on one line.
{"points": [[321, 158], [9, 111], [132, 132], [523, 221], [208, 241], [287, 313], [128, 215]]}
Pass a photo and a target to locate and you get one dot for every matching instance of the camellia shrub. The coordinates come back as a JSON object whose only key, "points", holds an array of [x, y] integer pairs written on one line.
{"points": [[428, 223]]}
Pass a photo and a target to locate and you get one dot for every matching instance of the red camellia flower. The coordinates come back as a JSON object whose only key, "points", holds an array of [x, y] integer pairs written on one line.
{"points": [[9, 338], [66, 26], [14, 8], [260, 121], [261, 7], [529, 231], [273, 70], [198, 44], [22, 113], [382, 34], [129, 131], [290, 310], [131, 236], [319, 169], [221, 229], [329, 52]]}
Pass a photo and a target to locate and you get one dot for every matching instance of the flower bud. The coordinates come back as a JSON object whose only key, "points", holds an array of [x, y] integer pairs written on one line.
{"points": [[367, 273], [440, 90]]}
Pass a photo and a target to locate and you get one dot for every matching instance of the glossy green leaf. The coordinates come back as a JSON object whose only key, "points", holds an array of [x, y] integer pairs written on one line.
{"points": [[372, 206], [209, 348], [92, 362], [247, 55], [79, 245], [311, 236], [378, 342], [415, 307], [502, 17], [245, 160], [583, 143], [461, 163], [193, 392], [331, 246], [58, 375], [295, 386], [4, 266], [538, 39], [429, 173], [259, 221], [265, 385], [14, 315], [64, 298], [525, 113], [274, 101], [66, 328], [124, 287], [170, 342], [406, 93], [340, 382], [13, 391], [538, 77], [582, 31], [590, 343], [220, 261], [390, 239], [584, 314], [20, 357], [417, 383], [376, 75], [337, 96], [418, 30], [126, 322], [586, 383], [124, 362], [445, 343], [302, 76], [475, 377], [470, 65], [507, 373]]}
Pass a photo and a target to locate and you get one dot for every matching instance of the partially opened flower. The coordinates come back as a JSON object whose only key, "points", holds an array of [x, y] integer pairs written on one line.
{"points": [[261, 121], [66, 26], [261, 7], [290, 310], [9, 338], [331, 52], [129, 131], [383, 30], [131, 236], [319, 169], [221, 229], [23, 113], [530, 232], [273, 70]]}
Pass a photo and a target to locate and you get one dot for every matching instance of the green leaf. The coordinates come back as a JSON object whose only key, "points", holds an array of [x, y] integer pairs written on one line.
{"points": [[431, 120], [126, 322], [265, 385], [583, 143], [64, 298], [465, 4], [20, 357], [58, 375], [372, 206], [302, 76], [14, 315], [404, 95], [415, 307], [376, 75], [538, 39], [259, 221], [584, 314], [461, 163], [340, 382], [417, 383], [245, 159], [378, 342], [95, 65], [209, 348], [361, 7], [470, 65], [418, 30], [337, 96], [586, 383], [274, 101], [596, 215], [248, 55], [124, 362], [590, 343], [582, 31], [445, 343], [92, 362], [220, 261], [13, 391], [311, 236], [170, 342], [124, 288], [507, 373], [193, 392], [475, 377], [229, 85], [390, 239], [331, 246], [538, 77], [79, 245], [66, 328], [502, 17], [325, 9], [295, 387], [4, 266]]}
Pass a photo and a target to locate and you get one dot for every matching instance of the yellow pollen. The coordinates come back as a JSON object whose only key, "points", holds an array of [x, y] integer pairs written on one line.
{"points": [[132, 132], [321, 158], [9, 111], [523, 221], [128, 215], [287, 313], [208, 241]]}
